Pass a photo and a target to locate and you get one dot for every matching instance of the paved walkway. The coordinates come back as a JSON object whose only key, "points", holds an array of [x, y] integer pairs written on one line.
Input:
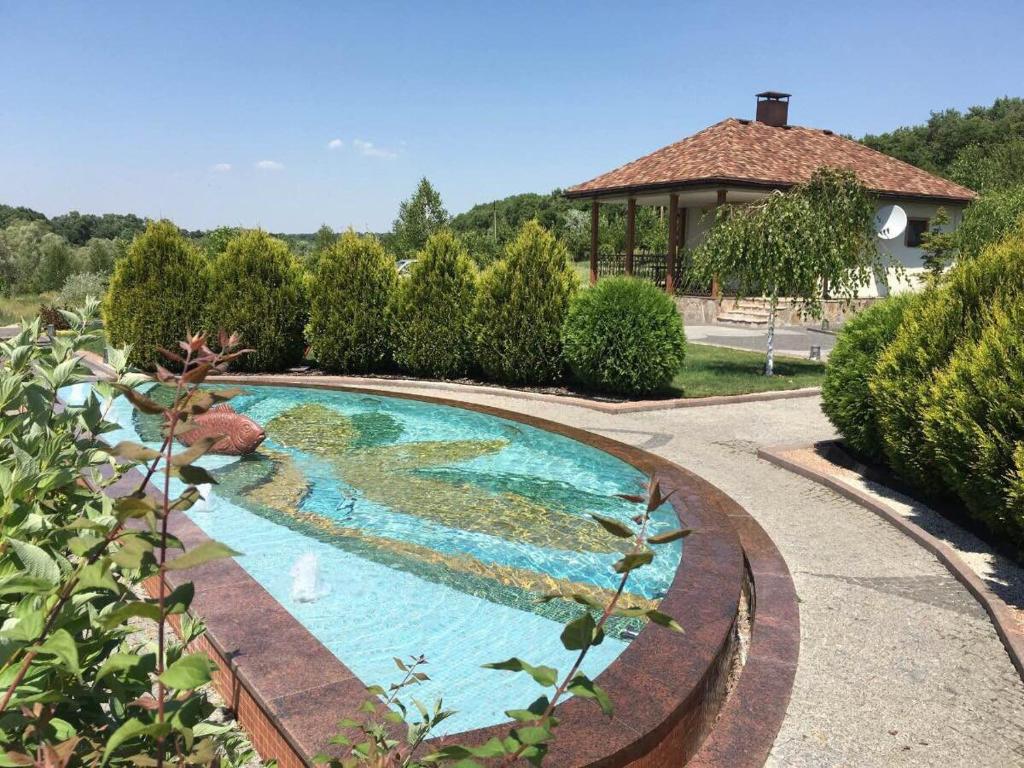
{"points": [[789, 340], [899, 665]]}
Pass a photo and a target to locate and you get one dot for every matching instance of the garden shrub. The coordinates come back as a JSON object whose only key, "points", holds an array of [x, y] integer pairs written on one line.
{"points": [[952, 314], [256, 290], [521, 306], [349, 327], [77, 288], [974, 422], [846, 394], [157, 293], [624, 336], [434, 310]]}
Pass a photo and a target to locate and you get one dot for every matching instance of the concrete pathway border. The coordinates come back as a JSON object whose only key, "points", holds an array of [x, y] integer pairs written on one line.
{"points": [[633, 406], [999, 612]]}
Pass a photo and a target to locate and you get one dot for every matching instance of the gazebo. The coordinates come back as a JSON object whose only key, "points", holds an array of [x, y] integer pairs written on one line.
{"points": [[738, 161]]}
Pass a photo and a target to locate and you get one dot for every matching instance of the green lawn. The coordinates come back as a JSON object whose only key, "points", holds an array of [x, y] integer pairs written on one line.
{"points": [[719, 371]]}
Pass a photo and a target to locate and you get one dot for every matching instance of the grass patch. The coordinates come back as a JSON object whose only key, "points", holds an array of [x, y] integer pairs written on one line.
{"points": [[720, 371], [14, 308]]}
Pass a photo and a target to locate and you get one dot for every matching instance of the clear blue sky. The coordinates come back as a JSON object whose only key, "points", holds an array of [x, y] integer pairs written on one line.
{"points": [[167, 109]]}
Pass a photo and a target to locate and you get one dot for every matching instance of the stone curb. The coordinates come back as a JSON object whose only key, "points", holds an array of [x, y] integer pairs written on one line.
{"points": [[1011, 636], [636, 406]]}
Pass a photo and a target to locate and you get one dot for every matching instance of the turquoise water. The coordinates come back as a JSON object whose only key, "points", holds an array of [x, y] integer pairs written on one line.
{"points": [[391, 527]]}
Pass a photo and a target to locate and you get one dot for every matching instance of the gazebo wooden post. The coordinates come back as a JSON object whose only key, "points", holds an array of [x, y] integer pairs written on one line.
{"points": [[630, 234], [673, 241], [594, 219], [716, 289]]}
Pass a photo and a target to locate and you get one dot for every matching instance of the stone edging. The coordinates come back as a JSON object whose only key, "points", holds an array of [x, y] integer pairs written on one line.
{"points": [[634, 406], [1006, 626]]}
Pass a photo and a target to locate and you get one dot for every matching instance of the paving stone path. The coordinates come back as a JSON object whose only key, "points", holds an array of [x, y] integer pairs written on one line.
{"points": [[899, 665]]}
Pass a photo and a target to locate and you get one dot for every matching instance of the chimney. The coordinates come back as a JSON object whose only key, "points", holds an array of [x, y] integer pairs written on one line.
{"points": [[773, 108]]}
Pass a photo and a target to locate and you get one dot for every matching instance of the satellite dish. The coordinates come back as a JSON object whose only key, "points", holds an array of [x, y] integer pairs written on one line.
{"points": [[890, 222]]}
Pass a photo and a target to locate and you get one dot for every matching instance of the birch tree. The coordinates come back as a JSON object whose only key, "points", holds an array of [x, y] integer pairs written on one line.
{"points": [[789, 245]]}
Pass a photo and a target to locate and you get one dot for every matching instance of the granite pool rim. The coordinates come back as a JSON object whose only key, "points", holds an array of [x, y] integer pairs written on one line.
{"points": [[289, 691]]}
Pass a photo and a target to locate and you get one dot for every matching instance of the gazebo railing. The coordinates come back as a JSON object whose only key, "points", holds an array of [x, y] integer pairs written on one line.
{"points": [[651, 266]]}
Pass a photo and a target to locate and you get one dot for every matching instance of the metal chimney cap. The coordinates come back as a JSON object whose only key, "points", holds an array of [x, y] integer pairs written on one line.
{"points": [[776, 95]]}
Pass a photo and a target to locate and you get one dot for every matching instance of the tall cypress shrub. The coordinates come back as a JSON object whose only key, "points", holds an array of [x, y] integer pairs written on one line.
{"points": [[521, 306], [157, 294], [256, 290], [351, 297], [433, 329], [947, 316]]}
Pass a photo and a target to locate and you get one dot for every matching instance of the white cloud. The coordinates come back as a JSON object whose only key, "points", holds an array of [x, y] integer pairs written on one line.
{"points": [[269, 165], [369, 149], [334, 144], [221, 167]]}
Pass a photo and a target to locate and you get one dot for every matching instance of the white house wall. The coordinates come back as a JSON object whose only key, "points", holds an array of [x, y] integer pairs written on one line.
{"points": [[699, 220]]}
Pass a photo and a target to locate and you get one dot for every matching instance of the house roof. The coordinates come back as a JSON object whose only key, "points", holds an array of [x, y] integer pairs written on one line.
{"points": [[750, 153]]}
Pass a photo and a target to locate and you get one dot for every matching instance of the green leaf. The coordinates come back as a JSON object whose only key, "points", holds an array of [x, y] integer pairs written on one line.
{"points": [[614, 527], [21, 584], [203, 553], [532, 735], [195, 451], [62, 645], [135, 609], [664, 620], [546, 676], [188, 672], [665, 538], [131, 729], [35, 561], [633, 561], [584, 687], [196, 475], [122, 662], [133, 506], [579, 633], [180, 599], [535, 710]]}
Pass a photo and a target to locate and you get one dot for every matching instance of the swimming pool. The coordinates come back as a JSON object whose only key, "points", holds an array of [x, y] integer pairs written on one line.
{"points": [[389, 527]]}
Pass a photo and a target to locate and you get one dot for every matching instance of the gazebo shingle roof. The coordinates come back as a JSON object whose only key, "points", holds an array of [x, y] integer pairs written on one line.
{"points": [[752, 153]]}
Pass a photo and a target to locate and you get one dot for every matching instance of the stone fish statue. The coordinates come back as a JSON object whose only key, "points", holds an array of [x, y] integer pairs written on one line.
{"points": [[242, 435]]}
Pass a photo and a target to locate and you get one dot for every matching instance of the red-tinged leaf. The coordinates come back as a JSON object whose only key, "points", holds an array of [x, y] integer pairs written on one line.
{"points": [[665, 538], [196, 375], [170, 355], [140, 401], [631, 497], [614, 527]]}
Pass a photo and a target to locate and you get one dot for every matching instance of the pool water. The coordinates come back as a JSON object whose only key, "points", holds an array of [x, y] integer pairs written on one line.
{"points": [[392, 527]]}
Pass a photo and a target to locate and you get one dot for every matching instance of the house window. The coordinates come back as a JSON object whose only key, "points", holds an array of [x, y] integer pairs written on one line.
{"points": [[915, 230]]}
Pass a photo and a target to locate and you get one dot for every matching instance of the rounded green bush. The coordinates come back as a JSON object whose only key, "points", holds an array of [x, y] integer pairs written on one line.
{"points": [[846, 393], [949, 315], [256, 291], [433, 318], [521, 306], [349, 327], [974, 422], [157, 294], [624, 336]]}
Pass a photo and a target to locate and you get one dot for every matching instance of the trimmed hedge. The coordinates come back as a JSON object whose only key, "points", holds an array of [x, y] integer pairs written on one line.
{"points": [[349, 327], [434, 311], [624, 336], [952, 314], [846, 394], [157, 293], [974, 423], [256, 290], [521, 307]]}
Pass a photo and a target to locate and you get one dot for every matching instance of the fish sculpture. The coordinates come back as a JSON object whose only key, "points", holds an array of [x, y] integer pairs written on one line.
{"points": [[241, 434]]}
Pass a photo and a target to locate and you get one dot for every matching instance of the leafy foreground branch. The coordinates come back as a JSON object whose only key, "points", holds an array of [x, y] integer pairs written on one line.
{"points": [[376, 740], [77, 686]]}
